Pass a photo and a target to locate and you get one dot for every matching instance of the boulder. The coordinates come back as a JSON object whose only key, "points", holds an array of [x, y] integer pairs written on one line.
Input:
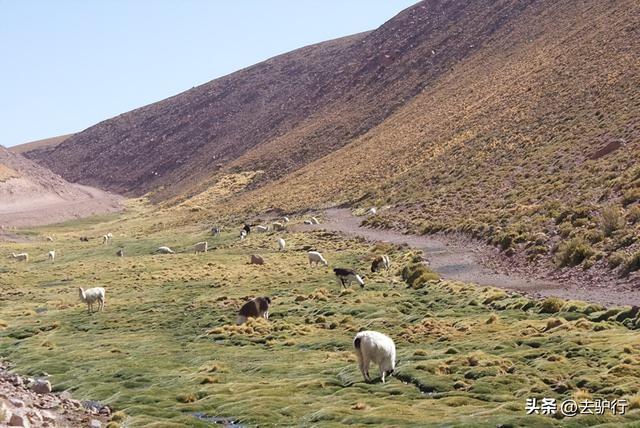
{"points": [[18, 420], [41, 386]]}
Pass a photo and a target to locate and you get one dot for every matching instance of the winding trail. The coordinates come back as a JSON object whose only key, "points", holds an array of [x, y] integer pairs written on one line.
{"points": [[462, 262]]}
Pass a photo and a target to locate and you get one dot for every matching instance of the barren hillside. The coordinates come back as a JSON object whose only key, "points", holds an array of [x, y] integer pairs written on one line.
{"points": [[285, 112], [513, 121], [31, 194], [40, 146]]}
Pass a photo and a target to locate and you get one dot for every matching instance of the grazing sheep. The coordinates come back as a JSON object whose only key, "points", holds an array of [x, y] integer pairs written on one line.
{"points": [[51, 255], [255, 308], [165, 250], [84, 239], [201, 247], [216, 230], [246, 228], [316, 257], [308, 222], [50, 239], [261, 228], [256, 259], [375, 347], [315, 220], [346, 276], [277, 226], [380, 262], [21, 257], [243, 234], [372, 211], [285, 219], [281, 244], [120, 252], [91, 296]]}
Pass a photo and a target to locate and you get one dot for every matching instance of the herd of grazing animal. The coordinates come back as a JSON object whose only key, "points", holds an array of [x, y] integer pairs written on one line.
{"points": [[369, 346]]}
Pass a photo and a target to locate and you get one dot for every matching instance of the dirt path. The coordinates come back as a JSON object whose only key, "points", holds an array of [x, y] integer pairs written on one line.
{"points": [[463, 262]]}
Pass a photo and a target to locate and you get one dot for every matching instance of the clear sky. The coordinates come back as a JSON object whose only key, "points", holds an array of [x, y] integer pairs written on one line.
{"points": [[68, 64]]}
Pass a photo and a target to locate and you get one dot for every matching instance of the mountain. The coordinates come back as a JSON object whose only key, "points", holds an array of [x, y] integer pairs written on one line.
{"points": [[31, 194], [44, 145], [282, 113], [513, 121]]}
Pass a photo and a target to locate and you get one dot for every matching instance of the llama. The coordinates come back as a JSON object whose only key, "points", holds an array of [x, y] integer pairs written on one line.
{"points": [[91, 296], [375, 347], [380, 262], [346, 276], [255, 308], [201, 247], [316, 257]]}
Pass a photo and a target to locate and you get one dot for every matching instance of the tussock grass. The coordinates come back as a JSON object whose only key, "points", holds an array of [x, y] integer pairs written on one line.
{"points": [[167, 344]]}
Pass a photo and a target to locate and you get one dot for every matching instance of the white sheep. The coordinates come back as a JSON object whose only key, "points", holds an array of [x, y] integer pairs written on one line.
{"points": [[243, 234], [281, 244], [201, 247], [50, 239], [277, 226], [165, 250], [285, 219], [308, 222], [261, 228], [107, 239], [372, 211], [91, 296], [51, 255], [316, 257], [315, 220], [21, 257], [372, 346]]}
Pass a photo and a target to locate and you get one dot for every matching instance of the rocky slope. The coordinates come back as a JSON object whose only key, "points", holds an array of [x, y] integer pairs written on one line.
{"points": [[513, 121], [26, 402], [285, 112], [31, 194]]}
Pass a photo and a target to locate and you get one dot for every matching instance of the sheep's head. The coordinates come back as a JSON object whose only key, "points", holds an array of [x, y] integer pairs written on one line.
{"points": [[81, 293]]}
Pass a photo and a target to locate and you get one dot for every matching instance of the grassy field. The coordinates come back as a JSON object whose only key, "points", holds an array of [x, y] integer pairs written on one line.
{"points": [[166, 348]]}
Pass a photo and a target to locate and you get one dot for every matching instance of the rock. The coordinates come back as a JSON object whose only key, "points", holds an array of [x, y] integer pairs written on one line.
{"points": [[15, 402], [47, 416], [18, 420], [95, 423], [65, 395], [4, 410], [16, 380], [41, 386], [256, 259]]}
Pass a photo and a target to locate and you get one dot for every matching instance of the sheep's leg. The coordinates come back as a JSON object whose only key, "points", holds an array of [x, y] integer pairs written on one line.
{"points": [[266, 315], [382, 374]]}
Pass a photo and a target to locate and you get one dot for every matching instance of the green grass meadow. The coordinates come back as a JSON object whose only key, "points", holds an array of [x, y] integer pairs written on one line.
{"points": [[166, 347]]}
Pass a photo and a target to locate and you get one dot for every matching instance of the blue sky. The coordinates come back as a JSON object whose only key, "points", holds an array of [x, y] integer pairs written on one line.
{"points": [[69, 64]]}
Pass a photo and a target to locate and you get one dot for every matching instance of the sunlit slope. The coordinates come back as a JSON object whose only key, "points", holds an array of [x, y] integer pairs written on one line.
{"points": [[536, 133]]}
